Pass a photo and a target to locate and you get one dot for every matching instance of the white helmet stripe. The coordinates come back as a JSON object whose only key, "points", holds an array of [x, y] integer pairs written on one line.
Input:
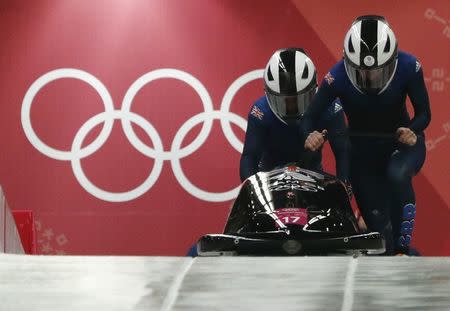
{"points": [[353, 36], [301, 61], [274, 68], [385, 34]]}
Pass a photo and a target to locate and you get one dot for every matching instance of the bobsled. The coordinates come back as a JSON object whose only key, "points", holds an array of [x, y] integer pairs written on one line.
{"points": [[292, 211]]}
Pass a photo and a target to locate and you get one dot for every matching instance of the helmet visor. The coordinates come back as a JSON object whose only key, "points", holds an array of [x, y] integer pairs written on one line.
{"points": [[371, 80], [290, 107]]}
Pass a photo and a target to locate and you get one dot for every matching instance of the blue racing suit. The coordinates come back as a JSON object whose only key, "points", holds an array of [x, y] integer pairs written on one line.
{"points": [[381, 169], [269, 142]]}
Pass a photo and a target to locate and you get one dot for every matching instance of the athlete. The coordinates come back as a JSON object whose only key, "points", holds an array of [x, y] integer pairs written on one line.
{"points": [[274, 134], [387, 147]]}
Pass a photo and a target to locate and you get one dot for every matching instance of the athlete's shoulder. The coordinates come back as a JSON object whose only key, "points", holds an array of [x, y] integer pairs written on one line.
{"points": [[406, 58], [335, 75], [260, 109], [408, 63], [338, 68]]}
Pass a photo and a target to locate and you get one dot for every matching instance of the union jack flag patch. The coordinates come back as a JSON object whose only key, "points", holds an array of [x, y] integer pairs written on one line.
{"points": [[329, 78], [256, 112]]}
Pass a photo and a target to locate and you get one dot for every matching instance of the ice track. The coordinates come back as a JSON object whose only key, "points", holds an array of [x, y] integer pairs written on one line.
{"points": [[223, 283]]}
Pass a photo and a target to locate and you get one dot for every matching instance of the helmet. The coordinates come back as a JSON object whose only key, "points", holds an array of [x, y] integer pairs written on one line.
{"points": [[370, 54], [290, 82]]}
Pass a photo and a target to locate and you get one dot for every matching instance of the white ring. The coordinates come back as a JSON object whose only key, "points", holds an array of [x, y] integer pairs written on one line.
{"points": [[126, 117], [113, 196], [176, 166], [44, 80], [226, 103], [159, 74]]}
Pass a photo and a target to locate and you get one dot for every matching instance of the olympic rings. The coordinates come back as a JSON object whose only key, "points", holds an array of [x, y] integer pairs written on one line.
{"points": [[126, 116]]}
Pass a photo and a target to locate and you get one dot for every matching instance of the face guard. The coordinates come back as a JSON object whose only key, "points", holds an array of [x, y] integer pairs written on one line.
{"points": [[371, 81], [290, 108]]}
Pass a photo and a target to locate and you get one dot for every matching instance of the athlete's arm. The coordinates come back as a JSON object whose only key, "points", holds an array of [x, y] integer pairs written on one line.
{"points": [[418, 94], [253, 147], [320, 102], [339, 144]]}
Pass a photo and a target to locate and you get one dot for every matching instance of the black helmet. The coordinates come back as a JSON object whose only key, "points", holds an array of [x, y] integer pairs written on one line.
{"points": [[370, 54], [290, 82]]}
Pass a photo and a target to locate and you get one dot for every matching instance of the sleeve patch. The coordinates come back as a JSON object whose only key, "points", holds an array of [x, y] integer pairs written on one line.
{"points": [[329, 78], [257, 113]]}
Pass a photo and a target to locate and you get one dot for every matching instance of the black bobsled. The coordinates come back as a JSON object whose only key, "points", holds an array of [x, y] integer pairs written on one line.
{"points": [[292, 211]]}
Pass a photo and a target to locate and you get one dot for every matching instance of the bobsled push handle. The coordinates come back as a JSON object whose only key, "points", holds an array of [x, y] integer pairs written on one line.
{"points": [[364, 134]]}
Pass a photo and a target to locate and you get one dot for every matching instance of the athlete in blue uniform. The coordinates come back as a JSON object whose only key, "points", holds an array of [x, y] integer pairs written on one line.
{"points": [[274, 135], [372, 82]]}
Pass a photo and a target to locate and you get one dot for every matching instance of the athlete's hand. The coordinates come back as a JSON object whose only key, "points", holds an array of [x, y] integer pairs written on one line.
{"points": [[315, 140], [406, 136]]}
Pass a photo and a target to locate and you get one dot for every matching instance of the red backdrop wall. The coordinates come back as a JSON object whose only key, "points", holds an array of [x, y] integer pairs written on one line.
{"points": [[154, 193]]}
